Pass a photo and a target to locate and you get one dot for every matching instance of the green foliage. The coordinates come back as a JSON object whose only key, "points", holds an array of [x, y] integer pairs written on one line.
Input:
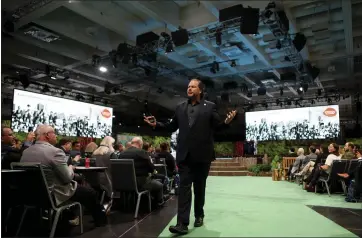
{"points": [[224, 148], [276, 162], [257, 168], [272, 148]]}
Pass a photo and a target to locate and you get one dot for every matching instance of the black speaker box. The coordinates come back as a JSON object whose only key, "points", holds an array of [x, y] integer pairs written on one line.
{"points": [[180, 37], [230, 13], [146, 38], [249, 21], [290, 76]]}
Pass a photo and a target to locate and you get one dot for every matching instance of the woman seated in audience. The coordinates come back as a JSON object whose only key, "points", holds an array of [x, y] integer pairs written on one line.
{"points": [[324, 170], [169, 159], [103, 155], [89, 149]]}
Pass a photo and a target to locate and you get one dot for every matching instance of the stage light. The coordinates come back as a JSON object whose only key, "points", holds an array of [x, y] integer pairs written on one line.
{"points": [[218, 38], [299, 41], [96, 59], [103, 69], [233, 64], [169, 47]]}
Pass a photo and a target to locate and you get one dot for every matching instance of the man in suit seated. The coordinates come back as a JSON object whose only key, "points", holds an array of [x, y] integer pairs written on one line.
{"points": [[61, 175], [143, 168]]}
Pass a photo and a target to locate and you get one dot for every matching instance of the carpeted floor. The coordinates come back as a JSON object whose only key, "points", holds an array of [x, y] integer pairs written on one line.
{"points": [[260, 207]]}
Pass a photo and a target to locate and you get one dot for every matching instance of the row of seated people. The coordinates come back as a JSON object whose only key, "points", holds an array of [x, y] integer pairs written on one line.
{"points": [[147, 176], [319, 163]]}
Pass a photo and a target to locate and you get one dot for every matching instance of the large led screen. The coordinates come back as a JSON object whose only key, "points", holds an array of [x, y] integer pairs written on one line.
{"points": [[68, 117], [293, 124]]}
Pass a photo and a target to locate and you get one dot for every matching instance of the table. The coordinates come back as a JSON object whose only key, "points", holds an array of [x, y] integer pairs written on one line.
{"points": [[11, 171], [90, 169]]}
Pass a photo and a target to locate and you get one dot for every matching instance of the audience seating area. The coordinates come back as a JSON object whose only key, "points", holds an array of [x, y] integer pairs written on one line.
{"points": [[26, 187]]}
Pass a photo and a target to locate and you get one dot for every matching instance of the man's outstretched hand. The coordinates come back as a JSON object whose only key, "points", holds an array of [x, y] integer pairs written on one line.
{"points": [[230, 116], [151, 120]]}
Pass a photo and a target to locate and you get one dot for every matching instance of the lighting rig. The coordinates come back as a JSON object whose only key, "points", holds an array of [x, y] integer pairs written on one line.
{"points": [[278, 23], [292, 102]]}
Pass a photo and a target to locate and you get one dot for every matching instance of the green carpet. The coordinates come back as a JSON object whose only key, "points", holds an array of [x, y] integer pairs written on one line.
{"points": [[260, 207]]}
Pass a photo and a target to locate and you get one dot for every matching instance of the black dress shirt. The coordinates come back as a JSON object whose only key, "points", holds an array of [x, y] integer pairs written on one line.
{"points": [[192, 112]]}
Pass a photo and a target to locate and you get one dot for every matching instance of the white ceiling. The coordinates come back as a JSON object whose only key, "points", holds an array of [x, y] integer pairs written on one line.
{"points": [[86, 28]]}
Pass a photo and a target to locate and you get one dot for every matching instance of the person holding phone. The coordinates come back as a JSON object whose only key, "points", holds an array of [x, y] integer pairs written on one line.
{"points": [[196, 119]]}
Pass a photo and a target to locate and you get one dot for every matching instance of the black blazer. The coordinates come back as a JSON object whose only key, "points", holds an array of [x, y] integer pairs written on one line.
{"points": [[142, 161], [197, 140]]}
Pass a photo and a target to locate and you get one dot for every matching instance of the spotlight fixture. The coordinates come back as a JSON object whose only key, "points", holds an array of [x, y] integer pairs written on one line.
{"points": [[233, 64], [96, 60], [319, 91], [216, 66], [103, 69], [24, 80], [113, 56], [169, 47], [134, 59], [45, 89], [299, 41], [218, 35]]}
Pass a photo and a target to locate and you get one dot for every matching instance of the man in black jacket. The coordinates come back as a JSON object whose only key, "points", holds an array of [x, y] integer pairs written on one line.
{"points": [[196, 120], [143, 168]]}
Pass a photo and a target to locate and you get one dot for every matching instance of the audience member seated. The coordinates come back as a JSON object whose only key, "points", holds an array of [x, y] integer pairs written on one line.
{"points": [[128, 145], [292, 153], [169, 159], [308, 168], [324, 170], [103, 155], [144, 169], [348, 151], [61, 175], [349, 176], [65, 145], [9, 154], [17, 144], [295, 167], [310, 157], [119, 149], [148, 148], [75, 149], [30, 138], [89, 149]]}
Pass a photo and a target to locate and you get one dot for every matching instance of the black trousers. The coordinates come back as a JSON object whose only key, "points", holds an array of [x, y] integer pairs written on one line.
{"points": [[87, 196], [189, 173]]}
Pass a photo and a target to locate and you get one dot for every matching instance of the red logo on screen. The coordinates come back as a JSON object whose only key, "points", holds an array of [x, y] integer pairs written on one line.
{"points": [[330, 112], [106, 113]]}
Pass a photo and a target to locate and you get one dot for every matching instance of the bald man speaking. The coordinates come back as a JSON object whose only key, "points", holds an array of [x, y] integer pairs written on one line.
{"points": [[196, 119]]}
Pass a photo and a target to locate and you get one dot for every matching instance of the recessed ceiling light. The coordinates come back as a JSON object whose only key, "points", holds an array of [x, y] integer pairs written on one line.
{"points": [[103, 69]]}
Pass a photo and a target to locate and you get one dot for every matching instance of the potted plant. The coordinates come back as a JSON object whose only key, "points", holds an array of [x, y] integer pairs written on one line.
{"points": [[276, 165]]}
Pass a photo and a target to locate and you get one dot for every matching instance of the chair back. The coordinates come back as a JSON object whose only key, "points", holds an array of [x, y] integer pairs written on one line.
{"points": [[163, 169], [353, 164], [123, 175], [35, 185], [288, 161], [338, 166]]}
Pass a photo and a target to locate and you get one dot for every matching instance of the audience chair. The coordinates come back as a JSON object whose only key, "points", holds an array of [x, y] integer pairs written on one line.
{"points": [[124, 180], [351, 167], [287, 162], [37, 194], [338, 166]]}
